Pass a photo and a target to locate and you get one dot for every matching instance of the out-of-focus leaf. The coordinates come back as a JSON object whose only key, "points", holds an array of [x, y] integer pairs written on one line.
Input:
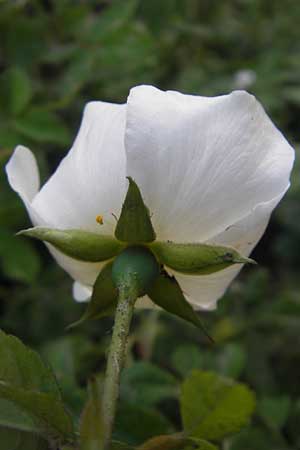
{"points": [[92, 426], [18, 258], [43, 126], [275, 410], [19, 440], [135, 424], [166, 442], [146, 384], [20, 90], [232, 360], [187, 358], [201, 444], [214, 407], [110, 21]]}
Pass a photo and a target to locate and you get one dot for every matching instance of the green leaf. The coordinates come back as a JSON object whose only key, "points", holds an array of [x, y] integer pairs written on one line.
{"points": [[20, 440], [79, 244], [146, 384], [110, 21], [166, 442], [186, 358], [91, 426], [197, 259], [134, 224], [120, 446], [49, 414], [18, 90], [43, 126], [30, 399], [214, 407], [166, 293], [18, 258], [275, 410], [22, 367], [136, 423], [232, 360], [201, 444], [104, 297]]}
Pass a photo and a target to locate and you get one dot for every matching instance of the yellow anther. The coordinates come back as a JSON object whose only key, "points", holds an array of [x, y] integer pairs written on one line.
{"points": [[99, 219]]}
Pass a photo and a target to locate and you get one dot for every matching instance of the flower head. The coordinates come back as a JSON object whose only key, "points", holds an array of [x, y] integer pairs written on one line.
{"points": [[210, 170]]}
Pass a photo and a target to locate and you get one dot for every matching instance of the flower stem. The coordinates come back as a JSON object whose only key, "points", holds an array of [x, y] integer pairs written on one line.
{"points": [[128, 293]]}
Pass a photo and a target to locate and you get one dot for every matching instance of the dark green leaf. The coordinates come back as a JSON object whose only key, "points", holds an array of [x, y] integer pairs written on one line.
{"points": [[146, 384], [24, 368], [29, 395], [91, 426], [18, 258], [186, 358], [136, 423], [120, 446], [275, 410], [166, 442], [20, 440], [110, 21], [104, 297], [43, 126], [20, 90], [134, 224], [197, 259], [166, 293], [79, 244], [232, 360], [201, 444], [214, 407], [51, 419]]}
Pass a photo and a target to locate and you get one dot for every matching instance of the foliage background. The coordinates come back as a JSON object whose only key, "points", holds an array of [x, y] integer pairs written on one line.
{"points": [[57, 55]]}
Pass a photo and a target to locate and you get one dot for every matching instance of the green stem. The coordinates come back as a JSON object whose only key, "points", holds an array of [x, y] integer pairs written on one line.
{"points": [[128, 293]]}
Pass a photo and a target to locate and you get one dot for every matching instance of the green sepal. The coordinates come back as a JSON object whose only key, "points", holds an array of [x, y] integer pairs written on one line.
{"points": [[197, 259], [104, 298], [166, 293], [78, 244], [134, 224]]}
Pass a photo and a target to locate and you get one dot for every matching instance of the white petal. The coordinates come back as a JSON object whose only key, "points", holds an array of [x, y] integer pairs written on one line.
{"points": [[203, 163], [204, 291], [24, 178], [90, 180], [81, 293], [23, 173]]}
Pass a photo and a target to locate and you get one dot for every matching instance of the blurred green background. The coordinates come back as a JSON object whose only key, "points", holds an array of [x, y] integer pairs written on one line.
{"points": [[57, 55]]}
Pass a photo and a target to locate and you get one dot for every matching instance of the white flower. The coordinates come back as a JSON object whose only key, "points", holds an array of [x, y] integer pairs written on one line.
{"points": [[210, 170]]}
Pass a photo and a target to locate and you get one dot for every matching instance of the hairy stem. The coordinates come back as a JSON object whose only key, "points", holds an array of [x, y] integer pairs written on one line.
{"points": [[128, 293]]}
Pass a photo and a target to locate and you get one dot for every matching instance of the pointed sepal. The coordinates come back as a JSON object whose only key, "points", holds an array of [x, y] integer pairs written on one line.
{"points": [[104, 298], [134, 224], [78, 244], [166, 293], [197, 259]]}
